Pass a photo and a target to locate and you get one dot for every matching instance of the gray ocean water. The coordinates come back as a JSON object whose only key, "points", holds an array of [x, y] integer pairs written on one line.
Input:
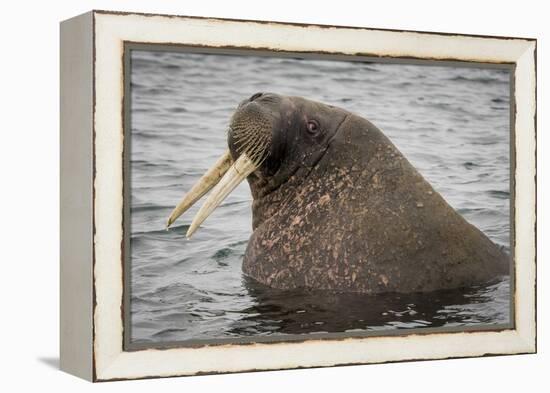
{"points": [[452, 123]]}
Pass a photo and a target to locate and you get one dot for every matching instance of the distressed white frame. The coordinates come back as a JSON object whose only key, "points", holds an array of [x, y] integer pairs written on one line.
{"points": [[111, 30]]}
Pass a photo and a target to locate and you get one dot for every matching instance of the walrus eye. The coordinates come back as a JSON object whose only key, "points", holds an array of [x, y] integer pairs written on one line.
{"points": [[312, 127]]}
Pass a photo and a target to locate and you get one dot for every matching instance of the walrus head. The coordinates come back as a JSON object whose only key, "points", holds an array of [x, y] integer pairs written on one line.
{"points": [[337, 206], [271, 139]]}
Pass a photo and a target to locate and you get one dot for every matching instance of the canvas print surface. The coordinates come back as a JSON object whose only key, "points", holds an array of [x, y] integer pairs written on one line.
{"points": [[361, 243]]}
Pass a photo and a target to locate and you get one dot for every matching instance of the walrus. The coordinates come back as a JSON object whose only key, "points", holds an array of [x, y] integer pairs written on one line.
{"points": [[336, 206]]}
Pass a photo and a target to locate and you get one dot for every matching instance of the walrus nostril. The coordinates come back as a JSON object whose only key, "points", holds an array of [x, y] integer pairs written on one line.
{"points": [[257, 95]]}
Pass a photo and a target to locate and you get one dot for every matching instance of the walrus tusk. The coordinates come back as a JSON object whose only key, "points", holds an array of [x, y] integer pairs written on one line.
{"points": [[205, 184], [243, 167]]}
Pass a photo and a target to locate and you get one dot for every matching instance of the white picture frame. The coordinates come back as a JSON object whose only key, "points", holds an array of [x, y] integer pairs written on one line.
{"points": [[92, 194]]}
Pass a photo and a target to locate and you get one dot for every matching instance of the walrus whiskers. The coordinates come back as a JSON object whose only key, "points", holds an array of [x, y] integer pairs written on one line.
{"points": [[252, 142], [251, 133]]}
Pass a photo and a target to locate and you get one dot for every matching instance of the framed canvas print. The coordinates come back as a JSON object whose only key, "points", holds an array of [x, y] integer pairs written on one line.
{"points": [[247, 195]]}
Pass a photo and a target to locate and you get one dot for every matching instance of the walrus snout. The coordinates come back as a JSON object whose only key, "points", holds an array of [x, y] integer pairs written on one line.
{"points": [[250, 131]]}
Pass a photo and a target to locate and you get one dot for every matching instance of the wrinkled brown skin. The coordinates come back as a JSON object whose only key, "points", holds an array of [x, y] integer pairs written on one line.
{"points": [[363, 219]]}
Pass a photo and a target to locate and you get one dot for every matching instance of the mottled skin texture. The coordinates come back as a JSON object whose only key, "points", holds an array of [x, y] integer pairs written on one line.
{"points": [[342, 209]]}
